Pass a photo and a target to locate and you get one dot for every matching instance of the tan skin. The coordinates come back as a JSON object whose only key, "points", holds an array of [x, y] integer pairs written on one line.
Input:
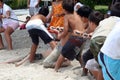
{"points": [[73, 22], [8, 31]]}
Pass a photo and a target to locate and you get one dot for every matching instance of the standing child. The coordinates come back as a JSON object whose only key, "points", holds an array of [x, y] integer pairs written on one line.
{"points": [[56, 16], [33, 6]]}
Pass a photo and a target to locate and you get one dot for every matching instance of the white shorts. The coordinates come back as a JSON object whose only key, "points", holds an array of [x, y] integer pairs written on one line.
{"points": [[92, 65], [14, 25]]}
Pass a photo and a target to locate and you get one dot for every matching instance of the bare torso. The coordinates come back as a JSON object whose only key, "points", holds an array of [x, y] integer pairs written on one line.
{"points": [[38, 16], [75, 23]]}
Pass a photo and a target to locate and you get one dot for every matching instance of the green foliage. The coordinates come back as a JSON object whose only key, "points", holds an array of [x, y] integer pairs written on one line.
{"points": [[101, 8], [92, 3], [17, 4]]}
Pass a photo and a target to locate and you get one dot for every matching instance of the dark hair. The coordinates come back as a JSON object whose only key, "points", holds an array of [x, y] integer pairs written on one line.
{"points": [[115, 9], [96, 17], [27, 17], [44, 10], [84, 11], [68, 5], [1, 0]]}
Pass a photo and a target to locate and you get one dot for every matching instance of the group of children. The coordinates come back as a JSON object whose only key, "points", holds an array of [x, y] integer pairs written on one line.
{"points": [[79, 26]]}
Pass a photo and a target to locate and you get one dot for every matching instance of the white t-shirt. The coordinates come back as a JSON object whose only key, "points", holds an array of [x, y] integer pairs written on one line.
{"points": [[111, 46], [105, 26], [12, 14], [77, 4], [33, 3]]}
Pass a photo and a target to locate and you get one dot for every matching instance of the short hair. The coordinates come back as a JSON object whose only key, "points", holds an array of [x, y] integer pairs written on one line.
{"points": [[68, 5], [44, 10], [1, 0], [115, 9], [96, 17], [28, 17], [84, 11]]}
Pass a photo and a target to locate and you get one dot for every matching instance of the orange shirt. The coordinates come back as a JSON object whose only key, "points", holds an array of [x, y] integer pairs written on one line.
{"points": [[57, 21]]}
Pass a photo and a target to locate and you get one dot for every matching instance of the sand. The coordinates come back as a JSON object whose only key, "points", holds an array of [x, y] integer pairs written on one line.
{"points": [[32, 71]]}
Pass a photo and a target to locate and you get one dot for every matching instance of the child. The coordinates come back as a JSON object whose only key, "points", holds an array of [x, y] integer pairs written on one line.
{"points": [[94, 18], [33, 6], [56, 16], [37, 29], [72, 23], [23, 26], [82, 18], [8, 25], [101, 33]]}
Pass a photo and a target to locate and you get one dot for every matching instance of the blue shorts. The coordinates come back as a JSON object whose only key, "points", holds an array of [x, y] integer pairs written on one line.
{"points": [[110, 67], [72, 47], [36, 33]]}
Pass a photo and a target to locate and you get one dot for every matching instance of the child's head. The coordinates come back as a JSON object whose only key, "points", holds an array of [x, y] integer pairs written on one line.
{"points": [[44, 11], [96, 17], [84, 11], [93, 20], [27, 18], [115, 9], [68, 5]]}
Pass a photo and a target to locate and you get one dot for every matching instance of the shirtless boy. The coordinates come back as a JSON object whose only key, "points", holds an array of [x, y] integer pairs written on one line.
{"points": [[72, 24], [37, 29]]}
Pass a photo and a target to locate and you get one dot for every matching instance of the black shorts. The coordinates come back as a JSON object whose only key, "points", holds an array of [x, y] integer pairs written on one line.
{"points": [[36, 33], [72, 47]]}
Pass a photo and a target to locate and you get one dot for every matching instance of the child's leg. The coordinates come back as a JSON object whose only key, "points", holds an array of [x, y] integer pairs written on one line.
{"points": [[8, 33], [30, 57], [100, 75], [59, 62], [22, 61], [1, 42], [32, 52]]}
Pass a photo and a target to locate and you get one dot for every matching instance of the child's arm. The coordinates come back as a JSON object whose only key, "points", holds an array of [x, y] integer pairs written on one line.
{"points": [[66, 27]]}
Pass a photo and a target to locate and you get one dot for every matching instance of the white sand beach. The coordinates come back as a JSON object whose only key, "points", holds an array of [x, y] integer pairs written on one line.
{"points": [[33, 71]]}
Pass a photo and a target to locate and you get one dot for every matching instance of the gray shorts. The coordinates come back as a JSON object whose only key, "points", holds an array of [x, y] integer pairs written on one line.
{"points": [[52, 57], [33, 10]]}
